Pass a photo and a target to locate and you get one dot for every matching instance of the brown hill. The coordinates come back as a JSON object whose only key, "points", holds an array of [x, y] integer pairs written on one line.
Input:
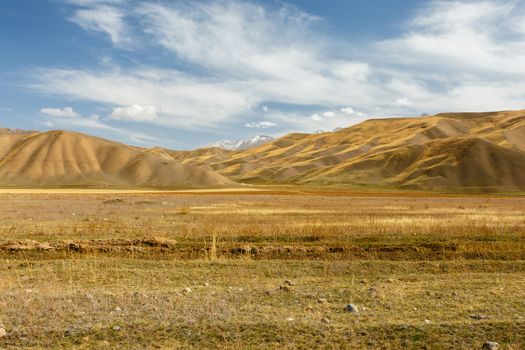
{"points": [[59, 158], [480, 151]]}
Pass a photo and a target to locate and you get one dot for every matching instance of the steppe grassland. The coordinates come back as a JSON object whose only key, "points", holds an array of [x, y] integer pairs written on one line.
{"points": [[428, 271]]}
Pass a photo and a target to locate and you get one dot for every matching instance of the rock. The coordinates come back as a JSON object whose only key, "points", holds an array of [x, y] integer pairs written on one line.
{"points": [[3, 332], [326, 320], [89, 296], [117, 328], [322, 300], [289, 283], [286, 288], [490, 345], [117, 309], [268, 292], [352, 308], [479, 317], [186, 290], [428, 322], [206, 284], [161, 242], [290, 319], [74, 247]]}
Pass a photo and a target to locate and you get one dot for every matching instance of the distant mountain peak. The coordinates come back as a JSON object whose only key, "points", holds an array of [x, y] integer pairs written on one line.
{"points": [[245, 144]]}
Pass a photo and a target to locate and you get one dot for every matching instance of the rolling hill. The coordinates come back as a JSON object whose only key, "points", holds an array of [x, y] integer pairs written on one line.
{"points": [[60, 158], [449, 151]]}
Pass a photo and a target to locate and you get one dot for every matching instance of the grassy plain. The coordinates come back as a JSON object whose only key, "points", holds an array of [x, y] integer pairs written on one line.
{"points": [[98, 270]]}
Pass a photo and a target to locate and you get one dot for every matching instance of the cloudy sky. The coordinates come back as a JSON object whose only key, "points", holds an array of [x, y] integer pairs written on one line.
{"points": [[184, 74]]}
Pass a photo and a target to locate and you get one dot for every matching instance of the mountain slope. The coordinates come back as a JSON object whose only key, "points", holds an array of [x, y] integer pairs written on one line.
{"points": [[484, 151], [59, 158]]}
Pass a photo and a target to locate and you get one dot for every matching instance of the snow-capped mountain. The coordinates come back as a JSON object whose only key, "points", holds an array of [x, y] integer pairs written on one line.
{"points": [[243, 144]]}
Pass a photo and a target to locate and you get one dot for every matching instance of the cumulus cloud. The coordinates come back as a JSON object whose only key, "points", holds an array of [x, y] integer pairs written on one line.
{"points": [[317, 117], [347, 110], [329, 114], [136, 112], [66, 112], [260, 125]]}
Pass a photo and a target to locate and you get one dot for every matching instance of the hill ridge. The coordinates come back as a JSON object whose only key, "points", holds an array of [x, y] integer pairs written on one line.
{"points": [[63, 158], [441, 148]]}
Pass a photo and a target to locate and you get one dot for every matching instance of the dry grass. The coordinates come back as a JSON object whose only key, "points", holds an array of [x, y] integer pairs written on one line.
{"points": [[401, 259]]}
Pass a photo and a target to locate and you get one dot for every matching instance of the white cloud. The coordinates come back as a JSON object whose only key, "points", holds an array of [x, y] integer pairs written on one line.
{"points": [[264, 108], [136, 112], [5, 109], [260, 125], [316, 117], [329, 114], [66, 112], [454, 55], [102, 18], [405, 102], [347, 110]]}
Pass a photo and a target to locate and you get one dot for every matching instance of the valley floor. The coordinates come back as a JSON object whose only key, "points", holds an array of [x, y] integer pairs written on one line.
{"points": [[268, 269]]}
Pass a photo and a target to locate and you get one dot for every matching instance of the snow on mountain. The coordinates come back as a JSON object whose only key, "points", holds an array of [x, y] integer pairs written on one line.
{"points": [[243, 144]]}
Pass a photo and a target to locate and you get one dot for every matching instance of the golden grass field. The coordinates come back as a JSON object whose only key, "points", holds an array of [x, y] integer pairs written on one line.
{"points": [[95, 270]]}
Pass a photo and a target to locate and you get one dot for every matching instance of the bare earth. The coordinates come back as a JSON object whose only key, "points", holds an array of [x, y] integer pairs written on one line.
{"points": [[265, 269]]}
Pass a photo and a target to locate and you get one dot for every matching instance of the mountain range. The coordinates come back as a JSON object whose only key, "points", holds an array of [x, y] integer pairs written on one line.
{"points": [[449, 151], [241, 145]]}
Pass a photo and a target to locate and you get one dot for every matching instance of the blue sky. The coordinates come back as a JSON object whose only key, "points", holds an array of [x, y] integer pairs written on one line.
{"points": [[184, 74]]}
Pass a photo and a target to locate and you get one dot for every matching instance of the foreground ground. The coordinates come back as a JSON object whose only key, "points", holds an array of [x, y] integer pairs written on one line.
{"points": [[261, 270]]}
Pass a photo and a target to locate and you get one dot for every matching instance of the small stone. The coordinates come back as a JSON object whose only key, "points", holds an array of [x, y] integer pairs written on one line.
{"points": [[117, 328], [290, 319], [268, 292], [322, 300], [352, 308], [89, 296], [289, 283], [3, 332], [479, 317], [490, 345], [390, 280], [206, 284], [186, 290], [326, 320], [117, 309], [286, 288], [428, 322]]}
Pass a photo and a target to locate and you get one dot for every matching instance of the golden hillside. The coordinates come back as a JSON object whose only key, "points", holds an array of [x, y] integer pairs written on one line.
{"points": [[59, 158], [481, 151]]}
